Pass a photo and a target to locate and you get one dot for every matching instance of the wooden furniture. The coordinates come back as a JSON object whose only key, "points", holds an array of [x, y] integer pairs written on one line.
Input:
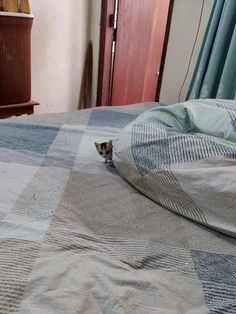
{"points": [[7, 111], [15, 62]]}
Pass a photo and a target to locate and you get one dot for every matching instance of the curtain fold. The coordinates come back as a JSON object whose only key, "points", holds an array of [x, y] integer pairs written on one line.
{"points": [[215, 72]]}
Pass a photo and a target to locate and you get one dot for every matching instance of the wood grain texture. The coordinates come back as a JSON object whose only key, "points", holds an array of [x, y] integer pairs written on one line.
{"points": [[141, 33], [7, 111], [15, 59]]}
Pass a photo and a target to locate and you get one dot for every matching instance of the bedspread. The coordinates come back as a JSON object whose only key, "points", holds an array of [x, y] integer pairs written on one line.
{"points": [[77, 238]]}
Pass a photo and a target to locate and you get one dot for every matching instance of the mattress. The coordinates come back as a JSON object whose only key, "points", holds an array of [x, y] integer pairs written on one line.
{"points": [[75, 237]]}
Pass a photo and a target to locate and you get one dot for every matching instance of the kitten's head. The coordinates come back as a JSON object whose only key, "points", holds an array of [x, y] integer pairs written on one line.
{"points": [[105, 149]]}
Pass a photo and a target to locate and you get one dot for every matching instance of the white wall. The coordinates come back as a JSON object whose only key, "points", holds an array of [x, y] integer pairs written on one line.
{"points": [[95, 38], [59, 40], [185, 18], [60, 35]]}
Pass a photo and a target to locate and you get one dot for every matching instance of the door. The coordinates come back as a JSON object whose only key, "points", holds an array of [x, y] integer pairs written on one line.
{"points": [[135, 67]]}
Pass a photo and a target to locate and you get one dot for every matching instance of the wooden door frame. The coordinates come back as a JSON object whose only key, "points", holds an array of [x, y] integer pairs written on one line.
{"points": [[105, 53], [163, 58]]}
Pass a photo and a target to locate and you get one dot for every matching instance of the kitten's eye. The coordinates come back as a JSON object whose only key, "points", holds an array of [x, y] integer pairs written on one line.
{"points": [[107, 152], [100, 153]]}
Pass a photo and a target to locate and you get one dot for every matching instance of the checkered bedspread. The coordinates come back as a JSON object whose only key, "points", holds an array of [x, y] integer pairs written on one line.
{"points": [[76, 238]]}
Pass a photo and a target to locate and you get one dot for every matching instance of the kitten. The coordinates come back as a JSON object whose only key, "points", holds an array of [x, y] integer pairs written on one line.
{"points": [[105, 150]]}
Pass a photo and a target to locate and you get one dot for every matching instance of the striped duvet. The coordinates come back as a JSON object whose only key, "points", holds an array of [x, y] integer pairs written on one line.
{"points": [[184, 157]]}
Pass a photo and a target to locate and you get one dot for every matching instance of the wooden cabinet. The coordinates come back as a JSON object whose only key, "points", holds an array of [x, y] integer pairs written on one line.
{"points": [[15, 64], [7, 111]]}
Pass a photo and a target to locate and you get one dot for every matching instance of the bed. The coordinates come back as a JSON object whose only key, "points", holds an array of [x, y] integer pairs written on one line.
{"points": [[75, 237]]}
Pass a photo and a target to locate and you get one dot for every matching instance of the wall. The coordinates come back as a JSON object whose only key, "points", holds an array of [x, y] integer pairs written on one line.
{"points": [[59, 41], [95, 38], [183, 29], [60, 35]]}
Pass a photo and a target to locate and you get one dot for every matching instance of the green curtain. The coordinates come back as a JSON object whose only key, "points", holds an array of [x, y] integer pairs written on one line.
{"points": [[215, 72]]}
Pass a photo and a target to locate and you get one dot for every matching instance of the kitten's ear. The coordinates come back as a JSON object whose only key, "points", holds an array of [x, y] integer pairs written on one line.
{"points": [[96, 144], [110, 142]]}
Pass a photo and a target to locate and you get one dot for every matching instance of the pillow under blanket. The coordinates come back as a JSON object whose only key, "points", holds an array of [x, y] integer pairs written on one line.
{"points": [[183, 157]]}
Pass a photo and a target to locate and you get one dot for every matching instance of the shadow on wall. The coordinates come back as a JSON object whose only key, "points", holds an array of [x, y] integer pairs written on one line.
{"points": [[59, 41], [86, 85], [88, 88], [79, 82]]}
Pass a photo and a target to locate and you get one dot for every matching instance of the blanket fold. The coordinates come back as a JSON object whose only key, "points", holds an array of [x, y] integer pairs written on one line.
{"points": [[184, 157]]}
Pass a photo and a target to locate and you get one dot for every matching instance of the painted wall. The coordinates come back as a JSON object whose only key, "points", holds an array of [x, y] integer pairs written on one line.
{"points": [[60, 35], [95, 38], [185, 18], [59, 40]]}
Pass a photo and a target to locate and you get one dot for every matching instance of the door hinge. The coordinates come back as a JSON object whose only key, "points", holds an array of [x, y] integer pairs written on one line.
{"points": [[114, 34], [111, 20], [112, 24]]}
